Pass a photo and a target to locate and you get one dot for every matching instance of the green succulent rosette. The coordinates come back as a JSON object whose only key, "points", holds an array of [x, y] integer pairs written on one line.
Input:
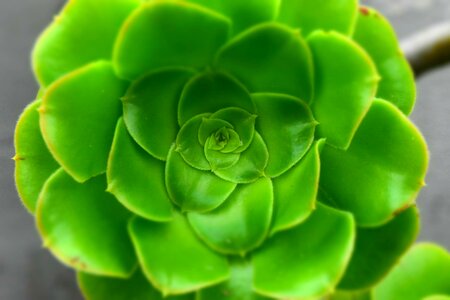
{"points": [[221, 149]]}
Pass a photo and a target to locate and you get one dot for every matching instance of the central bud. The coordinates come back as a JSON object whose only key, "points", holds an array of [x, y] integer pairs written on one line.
{"points": [[223, 142]]}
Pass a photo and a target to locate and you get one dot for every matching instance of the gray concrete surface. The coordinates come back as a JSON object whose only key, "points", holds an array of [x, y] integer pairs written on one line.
{"points": [[27, 272]]}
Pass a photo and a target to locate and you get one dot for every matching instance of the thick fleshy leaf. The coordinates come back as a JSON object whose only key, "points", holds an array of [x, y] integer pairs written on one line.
{"points": [[251, 164], [345, 84], [269, 58], [422, 273], [237, 287], [150, 109], [295, 192], [150, 39], [375, 34], [84, 226], [357, 295], [336, 15], [387, 149], [188, 145], [217, 159], [136, 287], [378, 249], [210, 92], [437, 297], [192, 189], [78, 116], [34, 163], [308, 260], [287, 127], [209, 127], [243, 123], [137, 179], [74, 40], [173, 258], [244, 14], [241, 223]]}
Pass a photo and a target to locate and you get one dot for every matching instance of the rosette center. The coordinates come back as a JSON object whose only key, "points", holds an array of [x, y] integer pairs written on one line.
{"points": [[221, 137]]}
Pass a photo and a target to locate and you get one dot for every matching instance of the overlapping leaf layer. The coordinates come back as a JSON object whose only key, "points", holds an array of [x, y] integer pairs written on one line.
{"points": [[221, 149]]}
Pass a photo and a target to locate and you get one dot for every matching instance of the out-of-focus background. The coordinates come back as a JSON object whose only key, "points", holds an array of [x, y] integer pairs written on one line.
{"points": [[28, 272]]}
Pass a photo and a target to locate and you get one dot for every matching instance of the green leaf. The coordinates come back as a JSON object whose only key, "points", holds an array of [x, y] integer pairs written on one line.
{"points": [[192, 189], [211, 91], [378, 249], [287, 127], [74, 40], [251, 164], [336, 15], [78, 117], [423, 272], [34, 163], [269, 58], [438, 297], [387, 149], [151, 39], [137, 179], [243, 123], [346, 81], [172, 257], [237, 287], [375, 34], [136, 288], [295, 192], [216, 158], [244, 14], [241, 223], [357, 295], [150, 109], [84, 226], [209, 127], [308, 260], [188, 145]]}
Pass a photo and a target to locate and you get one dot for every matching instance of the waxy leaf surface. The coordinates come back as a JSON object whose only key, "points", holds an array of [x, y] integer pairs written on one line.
{"points": [[387, 149], [210, 92], [173, 258], [308, 16], [237, 287], [137, 287], [74, 40], [424, 271], [150, 109], [287, 127], [150, 39], [251, 164], [78, 116], [307, 260], [243, 123], [34, 163], [244, 14], [345, 84], [241, 223], [193, 189], [374, 33], [281, 64], [84, 226], [137, 179], [378, 249], [295, 191], [188, 144]]}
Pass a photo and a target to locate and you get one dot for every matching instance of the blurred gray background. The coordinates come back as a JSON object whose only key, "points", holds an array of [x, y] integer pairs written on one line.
{"points": [[29, 272]]}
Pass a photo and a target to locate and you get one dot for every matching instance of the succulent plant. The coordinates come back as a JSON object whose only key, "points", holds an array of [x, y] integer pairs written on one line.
{"points": [[221, 149], [422, 274]]}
